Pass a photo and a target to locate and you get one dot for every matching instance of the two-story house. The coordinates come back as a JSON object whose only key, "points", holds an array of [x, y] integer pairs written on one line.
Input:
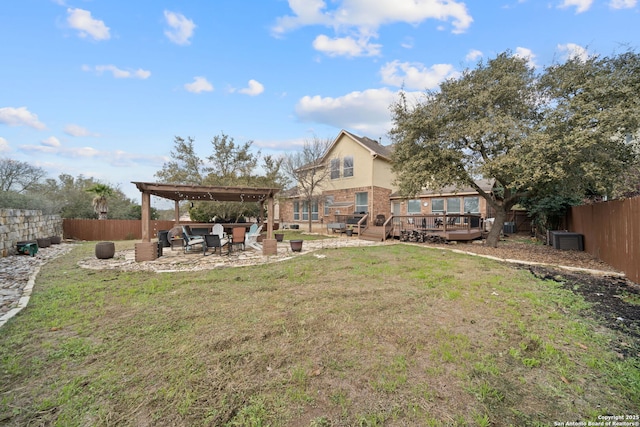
{"points": [[359, 181]]}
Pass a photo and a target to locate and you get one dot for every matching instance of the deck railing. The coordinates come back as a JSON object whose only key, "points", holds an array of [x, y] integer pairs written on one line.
{"points": [[436, 223]]}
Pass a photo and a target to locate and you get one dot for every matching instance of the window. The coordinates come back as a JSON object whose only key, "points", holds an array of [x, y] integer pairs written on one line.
{"points": [[472, 205], [362, 202], [413, 207], [437, 205], [305, 211], [296, 211], [335, 168], [347, 166], [453, 205], [328, 201]]}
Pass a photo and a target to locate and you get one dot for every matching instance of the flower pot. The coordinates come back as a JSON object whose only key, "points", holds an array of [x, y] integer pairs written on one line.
{"points": [[279, 237], [105, 250], [55, 240], [43, 242], [349, 233], [296, 245]]}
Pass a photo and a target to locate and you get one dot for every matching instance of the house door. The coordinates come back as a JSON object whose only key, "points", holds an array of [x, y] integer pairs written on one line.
{"points": [[396, 208]]}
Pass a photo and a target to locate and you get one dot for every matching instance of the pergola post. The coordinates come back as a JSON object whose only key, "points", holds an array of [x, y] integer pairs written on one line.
{"points": [[146, 216], [177, 211], [269, 244]]}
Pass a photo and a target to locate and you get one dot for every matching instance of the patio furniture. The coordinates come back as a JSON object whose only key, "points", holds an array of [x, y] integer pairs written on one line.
{"points": [[214, 241], [219, 230], [251, 238], [237, 236], [190, 240]]}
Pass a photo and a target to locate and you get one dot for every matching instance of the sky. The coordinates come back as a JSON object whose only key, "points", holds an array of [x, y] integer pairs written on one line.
{"points": [[100, 88]]}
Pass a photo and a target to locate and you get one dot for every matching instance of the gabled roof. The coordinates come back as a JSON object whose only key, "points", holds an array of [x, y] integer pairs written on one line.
{"points": [[374, 147]]}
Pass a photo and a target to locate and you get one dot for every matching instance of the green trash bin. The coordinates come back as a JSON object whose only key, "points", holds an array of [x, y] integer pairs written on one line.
{"points": [[27, 248]]}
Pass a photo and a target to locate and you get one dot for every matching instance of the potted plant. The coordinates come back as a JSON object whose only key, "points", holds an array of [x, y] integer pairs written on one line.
{"points": [[296, 245], [349, 230]]}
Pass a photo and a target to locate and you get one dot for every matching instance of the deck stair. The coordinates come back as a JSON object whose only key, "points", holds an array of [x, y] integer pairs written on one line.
{"points": [[373, 233]]}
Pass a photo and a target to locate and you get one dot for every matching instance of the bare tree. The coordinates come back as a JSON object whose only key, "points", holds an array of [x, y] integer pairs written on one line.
{"points": [[19, 176], [308, 169]]}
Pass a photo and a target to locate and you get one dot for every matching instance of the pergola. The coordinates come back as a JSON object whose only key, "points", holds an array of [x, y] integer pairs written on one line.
{"points": [[182, 192]]}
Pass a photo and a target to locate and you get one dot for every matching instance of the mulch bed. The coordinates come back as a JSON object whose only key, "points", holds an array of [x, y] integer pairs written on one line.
{"points": [[608, 296]]}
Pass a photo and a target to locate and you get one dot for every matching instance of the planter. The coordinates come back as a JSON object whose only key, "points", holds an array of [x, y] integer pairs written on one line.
{"points": [[279, 237], [44, 242], [349, 233], [296, 245], [105, 250], [55, 240]]}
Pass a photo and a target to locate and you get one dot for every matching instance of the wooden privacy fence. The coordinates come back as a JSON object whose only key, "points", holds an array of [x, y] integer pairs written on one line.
{"points": [[110, 229], [611, 232]]}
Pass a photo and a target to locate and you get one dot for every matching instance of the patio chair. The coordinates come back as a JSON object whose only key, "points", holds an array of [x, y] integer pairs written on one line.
{"points": [[214, 241], [219, 230], [251, 239], [237, 237], [190, 240]]}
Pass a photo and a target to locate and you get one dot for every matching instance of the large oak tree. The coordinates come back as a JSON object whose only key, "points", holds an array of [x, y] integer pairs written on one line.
{"points": [[564, 131]]}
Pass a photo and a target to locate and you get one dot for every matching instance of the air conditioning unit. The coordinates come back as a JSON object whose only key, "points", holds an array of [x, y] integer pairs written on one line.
{"points": [[567, 241]]}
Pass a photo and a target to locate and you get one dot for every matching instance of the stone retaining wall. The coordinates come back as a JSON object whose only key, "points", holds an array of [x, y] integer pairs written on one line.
{"points": [[18, 224]]}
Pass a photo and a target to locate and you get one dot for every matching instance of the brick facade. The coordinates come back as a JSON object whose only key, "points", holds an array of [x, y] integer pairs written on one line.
{"points": [[378, 199]]}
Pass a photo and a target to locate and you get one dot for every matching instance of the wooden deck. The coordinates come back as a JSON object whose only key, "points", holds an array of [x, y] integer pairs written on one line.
{"points": [[458, 227]]}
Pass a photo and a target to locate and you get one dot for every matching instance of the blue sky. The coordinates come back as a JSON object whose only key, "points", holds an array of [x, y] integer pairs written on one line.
{"points": [[101, 87]]}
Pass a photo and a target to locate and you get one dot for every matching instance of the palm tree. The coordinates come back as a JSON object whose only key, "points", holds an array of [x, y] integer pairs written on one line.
{"points": [[101, 192]]}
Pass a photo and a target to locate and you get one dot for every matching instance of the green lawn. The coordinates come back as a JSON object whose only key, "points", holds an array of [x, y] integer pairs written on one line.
{"points": [[386, 335]]}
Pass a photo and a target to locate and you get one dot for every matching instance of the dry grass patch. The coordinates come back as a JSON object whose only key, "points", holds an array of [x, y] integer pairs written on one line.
{"points": [[391, 335]]}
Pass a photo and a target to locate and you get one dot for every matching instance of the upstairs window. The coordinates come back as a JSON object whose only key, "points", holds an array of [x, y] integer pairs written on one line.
{"points": [[335, 168], [347, 166]]}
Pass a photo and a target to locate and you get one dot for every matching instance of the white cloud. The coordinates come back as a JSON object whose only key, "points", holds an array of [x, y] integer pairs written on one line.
{"points": [[52, 141], [20, 117], [254, 88], [119, 73], [200, 84], [116, 158], [369, 15], [622, 4], [4, 145], [346, 46], [574, 51], [415, 75], [580, 5], [473, 55], [181, 28], [82, 21], [366, 111], [407, 43], [526, 54], [75, 130]]}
